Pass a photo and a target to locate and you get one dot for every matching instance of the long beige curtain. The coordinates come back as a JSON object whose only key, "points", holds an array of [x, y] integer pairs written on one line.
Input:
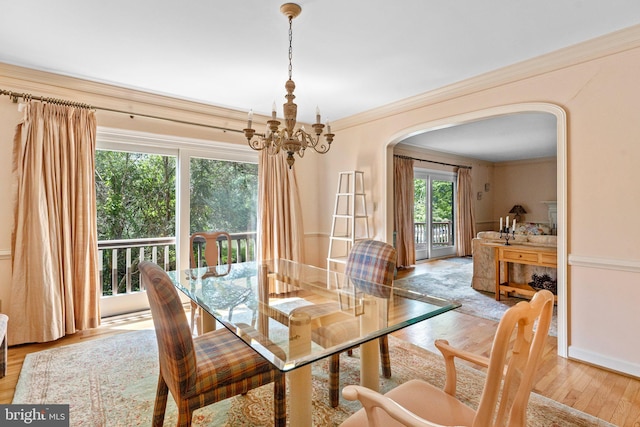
{"points": [[403, 210], [280, 228], [465, 220], [54, 283]]}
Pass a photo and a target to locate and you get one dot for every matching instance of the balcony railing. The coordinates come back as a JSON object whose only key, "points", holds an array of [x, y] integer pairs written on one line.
{"points": [[441, 233], [118, 259]]}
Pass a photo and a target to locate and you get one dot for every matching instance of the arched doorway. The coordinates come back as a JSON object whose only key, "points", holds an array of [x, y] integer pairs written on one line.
{"points": [[561, 138]]}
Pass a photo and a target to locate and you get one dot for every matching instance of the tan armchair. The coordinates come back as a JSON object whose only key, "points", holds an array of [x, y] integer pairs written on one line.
{"points": [[206, 369], [511, 370]]}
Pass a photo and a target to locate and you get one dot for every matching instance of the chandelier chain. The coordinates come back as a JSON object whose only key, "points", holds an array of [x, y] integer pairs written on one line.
{"points": [[290, 45]]}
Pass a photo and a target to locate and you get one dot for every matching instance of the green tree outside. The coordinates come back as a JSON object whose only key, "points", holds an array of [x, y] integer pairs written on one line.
{"points": [[136, 199], [441, 201]]}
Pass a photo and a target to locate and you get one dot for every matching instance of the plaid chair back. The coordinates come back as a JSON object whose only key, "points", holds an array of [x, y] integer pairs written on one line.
{"points": [[372, 262], [175, 343]]}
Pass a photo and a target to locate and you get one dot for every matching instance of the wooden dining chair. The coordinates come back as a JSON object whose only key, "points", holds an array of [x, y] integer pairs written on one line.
{"points": [[202, 370], [368, 262], [210, 257], [511, 369]]}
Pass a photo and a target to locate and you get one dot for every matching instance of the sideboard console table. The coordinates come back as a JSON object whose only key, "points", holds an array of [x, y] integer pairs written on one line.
{"points": [[519, 254]]}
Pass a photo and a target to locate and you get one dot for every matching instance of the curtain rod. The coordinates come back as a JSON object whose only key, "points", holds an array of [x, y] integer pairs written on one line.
{"points": [[27, 96], [432, 161]]}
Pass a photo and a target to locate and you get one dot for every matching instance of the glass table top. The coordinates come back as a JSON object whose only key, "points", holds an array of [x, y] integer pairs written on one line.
{"points": [[294, 314]]}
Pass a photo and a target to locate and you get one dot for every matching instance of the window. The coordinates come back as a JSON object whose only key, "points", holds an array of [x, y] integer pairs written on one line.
{"points": [[224, 197], [434, 196], [152, 191], [136, 199]]}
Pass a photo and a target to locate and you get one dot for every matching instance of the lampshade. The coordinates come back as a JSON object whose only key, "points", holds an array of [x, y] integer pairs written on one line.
{"points": [[518, 210]]}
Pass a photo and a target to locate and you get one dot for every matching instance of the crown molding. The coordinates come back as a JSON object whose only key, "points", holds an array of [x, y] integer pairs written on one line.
{"points": [[108, 96], [600, 47], [44, 83], [526, 162]]}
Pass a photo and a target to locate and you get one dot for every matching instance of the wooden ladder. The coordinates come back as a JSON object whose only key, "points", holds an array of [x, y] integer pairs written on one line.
{"points": [[350, 221]]}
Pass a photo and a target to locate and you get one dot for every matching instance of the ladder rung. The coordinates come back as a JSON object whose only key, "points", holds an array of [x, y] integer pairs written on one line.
{"points": [[348, 238], [350, 197]]}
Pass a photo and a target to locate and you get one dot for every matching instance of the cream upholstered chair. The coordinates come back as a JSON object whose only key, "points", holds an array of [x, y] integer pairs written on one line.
{"points": [[369, 261], [212, 259], [206, 369], [512, 364]]}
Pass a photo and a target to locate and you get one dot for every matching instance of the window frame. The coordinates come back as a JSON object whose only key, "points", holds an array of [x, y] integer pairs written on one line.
{"points": [[183, 148]]}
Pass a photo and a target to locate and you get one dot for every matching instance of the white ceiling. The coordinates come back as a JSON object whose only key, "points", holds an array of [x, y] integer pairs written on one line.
{"points": [[497, 139], [349, 56]]}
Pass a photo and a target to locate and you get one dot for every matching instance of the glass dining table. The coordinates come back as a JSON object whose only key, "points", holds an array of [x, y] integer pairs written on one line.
{"points": [[282, 309]]}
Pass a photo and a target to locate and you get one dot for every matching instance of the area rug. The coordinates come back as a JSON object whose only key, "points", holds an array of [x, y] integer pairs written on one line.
{"points": [[111, 382], [451, 279]]}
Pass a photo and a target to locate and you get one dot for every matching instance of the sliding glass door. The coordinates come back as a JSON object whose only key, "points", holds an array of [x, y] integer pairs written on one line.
{"points": [[434, 213], [153, 192]]}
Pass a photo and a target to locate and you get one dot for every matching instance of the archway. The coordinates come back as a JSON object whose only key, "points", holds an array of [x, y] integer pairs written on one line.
{"points": [[561, 137]]}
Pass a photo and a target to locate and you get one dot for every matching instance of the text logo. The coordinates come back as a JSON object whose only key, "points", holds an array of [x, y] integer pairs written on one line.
{"points": [[34, 415]]}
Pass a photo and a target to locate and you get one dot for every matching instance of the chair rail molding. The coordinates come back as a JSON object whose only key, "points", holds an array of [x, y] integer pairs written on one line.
{"points": [[604, 263], [5, 254]]}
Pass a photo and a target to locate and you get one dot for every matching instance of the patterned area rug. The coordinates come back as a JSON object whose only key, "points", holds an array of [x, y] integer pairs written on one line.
{"points": [[451, 279], [111, 382]]}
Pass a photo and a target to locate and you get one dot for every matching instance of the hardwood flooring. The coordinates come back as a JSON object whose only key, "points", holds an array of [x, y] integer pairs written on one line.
{"points": [[607, 395]]}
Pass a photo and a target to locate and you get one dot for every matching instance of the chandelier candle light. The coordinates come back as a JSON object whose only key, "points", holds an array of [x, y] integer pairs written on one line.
{"points": [[507, 233], [288, 139]]}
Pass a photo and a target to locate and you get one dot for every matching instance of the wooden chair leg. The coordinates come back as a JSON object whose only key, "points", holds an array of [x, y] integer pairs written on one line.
{"points": [[160, 405], [195, 318], [184, 415], [385, 361], [279, 401], [334, 380]]}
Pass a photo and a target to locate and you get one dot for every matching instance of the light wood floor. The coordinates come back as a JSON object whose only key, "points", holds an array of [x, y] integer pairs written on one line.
{"points": [[607, 395]]}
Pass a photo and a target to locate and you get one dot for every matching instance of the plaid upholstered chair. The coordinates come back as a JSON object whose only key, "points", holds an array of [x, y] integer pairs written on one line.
{"points": [[369, 261], [206, 369]]}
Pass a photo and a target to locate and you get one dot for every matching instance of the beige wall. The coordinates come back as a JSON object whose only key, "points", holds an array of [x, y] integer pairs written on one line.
{"points": [[526, 183], [596, 84]]}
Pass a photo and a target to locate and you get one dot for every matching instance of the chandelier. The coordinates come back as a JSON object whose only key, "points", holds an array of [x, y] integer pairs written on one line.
{"points": [[287, 139]]}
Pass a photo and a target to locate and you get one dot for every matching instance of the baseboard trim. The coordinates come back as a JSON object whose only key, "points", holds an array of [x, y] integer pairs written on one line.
{"points": [[604, 361]]}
